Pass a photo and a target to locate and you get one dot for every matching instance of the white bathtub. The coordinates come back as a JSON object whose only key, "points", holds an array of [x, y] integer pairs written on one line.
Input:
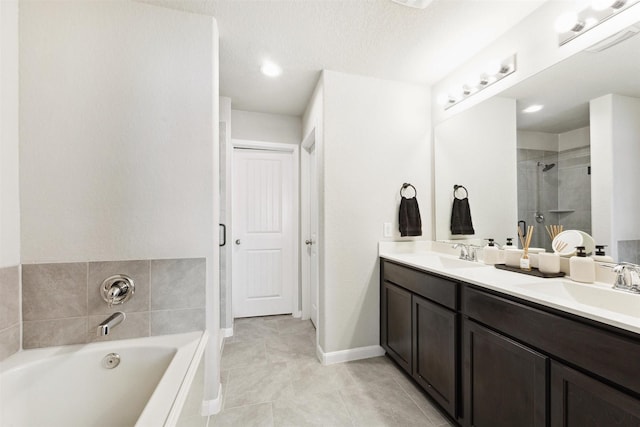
{"points": [[69, 386]]}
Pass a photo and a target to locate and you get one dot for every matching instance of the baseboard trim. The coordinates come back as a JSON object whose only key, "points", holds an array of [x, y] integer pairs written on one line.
{"points": [[213, 406], [224, 333], [297, 314], [341, 356]]}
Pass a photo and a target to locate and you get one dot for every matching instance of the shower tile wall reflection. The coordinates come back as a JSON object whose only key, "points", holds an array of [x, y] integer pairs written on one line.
{"points": [[563, 187], [574, 188], [629, 251], [537, 191]]}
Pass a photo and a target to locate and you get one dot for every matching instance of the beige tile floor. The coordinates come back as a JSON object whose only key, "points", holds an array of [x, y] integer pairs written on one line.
{"points": [[271, 377]]}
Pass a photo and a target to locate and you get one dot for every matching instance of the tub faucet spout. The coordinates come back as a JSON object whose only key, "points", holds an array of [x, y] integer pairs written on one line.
{"points": [[110, 322]]}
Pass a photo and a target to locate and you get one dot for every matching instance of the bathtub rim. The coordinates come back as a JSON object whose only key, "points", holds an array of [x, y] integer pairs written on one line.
{"points": [[167, 399]]}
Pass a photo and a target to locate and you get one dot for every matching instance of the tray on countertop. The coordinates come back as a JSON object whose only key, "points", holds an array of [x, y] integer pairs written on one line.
{"points": [[534, 271]]}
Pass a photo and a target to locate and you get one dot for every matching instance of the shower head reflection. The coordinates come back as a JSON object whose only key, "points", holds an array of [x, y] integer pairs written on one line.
{"points": [[546, 167]]}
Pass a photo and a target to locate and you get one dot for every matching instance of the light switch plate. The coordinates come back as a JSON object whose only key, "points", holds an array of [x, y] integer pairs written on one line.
{"points": [[386, 232]]}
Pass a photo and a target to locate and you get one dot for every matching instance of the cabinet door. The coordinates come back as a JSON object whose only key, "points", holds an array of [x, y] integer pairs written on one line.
{"points": [[581, 401], [396, 324], [504, 382], [434, 351]]}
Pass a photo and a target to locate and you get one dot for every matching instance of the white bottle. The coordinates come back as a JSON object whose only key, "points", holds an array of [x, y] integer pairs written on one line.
{"points": [[491, 253], [582, 268], [600, 256]]}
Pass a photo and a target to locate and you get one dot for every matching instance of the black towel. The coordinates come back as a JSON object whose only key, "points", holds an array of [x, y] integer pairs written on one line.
{"points": [[461, 217], [410, 222]]}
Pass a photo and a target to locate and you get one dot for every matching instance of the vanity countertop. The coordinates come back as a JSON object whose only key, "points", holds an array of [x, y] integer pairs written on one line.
{"points": [[597, 301]]}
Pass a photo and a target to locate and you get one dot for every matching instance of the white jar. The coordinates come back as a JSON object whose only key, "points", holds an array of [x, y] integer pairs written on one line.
{"points": [[512, 257], [549, 263]]}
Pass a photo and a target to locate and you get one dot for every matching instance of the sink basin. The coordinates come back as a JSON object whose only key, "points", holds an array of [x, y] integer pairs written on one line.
{"points": [[593, 295], [443, 261]]}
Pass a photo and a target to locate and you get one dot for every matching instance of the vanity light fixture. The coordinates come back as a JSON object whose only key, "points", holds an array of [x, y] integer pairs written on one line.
{"points": [[606, 4], [572, 24], [493, 73], [533, 108], [270, 69]]}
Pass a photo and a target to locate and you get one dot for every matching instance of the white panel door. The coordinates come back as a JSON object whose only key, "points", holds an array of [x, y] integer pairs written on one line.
{"points": [[263, 262]]}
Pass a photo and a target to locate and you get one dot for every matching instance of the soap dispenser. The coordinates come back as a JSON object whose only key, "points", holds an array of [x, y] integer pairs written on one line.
{"points": [[600, 256], [490, 253], [581, 267]]}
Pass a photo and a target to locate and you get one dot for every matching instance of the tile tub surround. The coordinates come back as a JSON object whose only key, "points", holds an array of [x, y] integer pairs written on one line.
{"points": [[271, 377], [61, 303], [9, 311]]}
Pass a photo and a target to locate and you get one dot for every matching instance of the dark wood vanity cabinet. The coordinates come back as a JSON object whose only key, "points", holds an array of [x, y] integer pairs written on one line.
{"points": [[419, 332], [504, 382], [434, 351], [397, 320], [493, 360], [577, 400]]}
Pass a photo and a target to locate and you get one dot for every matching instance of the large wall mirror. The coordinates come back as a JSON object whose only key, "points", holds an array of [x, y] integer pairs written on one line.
{"points": [[577, 160]]}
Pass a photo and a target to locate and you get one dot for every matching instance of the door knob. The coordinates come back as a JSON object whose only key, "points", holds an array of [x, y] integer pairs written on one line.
{"points": [[308, 242], [237, 241]]}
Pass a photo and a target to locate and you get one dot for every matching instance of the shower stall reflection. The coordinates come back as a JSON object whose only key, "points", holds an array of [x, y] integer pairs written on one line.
{"points": [[554, 186]]}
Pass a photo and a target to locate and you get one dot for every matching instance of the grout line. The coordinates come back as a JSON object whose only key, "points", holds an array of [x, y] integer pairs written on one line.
{"points": [[273, 418], [414, 400]]}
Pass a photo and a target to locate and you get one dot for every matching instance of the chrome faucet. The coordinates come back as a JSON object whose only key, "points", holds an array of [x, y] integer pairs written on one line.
{"points": [[625, 272], [467, 252], [110, 322]]}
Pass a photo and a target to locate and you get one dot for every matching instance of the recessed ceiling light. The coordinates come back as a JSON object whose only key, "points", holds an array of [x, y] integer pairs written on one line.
{"points": [[533, 108], [270, 69]]}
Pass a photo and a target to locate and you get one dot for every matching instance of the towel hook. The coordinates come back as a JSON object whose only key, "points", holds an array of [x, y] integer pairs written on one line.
{"points": [[407, 185], [456, 187]]}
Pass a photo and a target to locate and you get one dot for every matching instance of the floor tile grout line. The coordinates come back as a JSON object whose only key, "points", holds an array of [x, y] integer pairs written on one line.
{"points": [[351, 418], [419, 406]]}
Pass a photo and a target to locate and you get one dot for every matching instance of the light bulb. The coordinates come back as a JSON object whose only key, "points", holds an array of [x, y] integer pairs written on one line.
{"points": [[606, 4], [568, 22]]}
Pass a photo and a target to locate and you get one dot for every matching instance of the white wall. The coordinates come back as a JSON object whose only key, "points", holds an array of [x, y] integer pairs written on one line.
{"points": [[376, 137], [537, 140], [9, 188], [477, 149], [116, 132], [615, 130], [266, 127], [576, 138]]}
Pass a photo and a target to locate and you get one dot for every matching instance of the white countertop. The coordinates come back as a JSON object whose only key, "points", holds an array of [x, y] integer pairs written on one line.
{"points": [[597, 301]]}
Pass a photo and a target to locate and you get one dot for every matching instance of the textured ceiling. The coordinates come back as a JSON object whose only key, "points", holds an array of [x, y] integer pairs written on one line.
{"points": [[377, 38]]}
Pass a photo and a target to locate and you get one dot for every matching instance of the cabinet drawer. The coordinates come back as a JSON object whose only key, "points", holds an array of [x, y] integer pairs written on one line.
{"points": [[435, 288], [605, 353]]}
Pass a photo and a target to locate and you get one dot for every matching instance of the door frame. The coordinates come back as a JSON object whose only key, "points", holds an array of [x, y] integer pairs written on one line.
{"points": [[305, 213], [295, 202]]}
